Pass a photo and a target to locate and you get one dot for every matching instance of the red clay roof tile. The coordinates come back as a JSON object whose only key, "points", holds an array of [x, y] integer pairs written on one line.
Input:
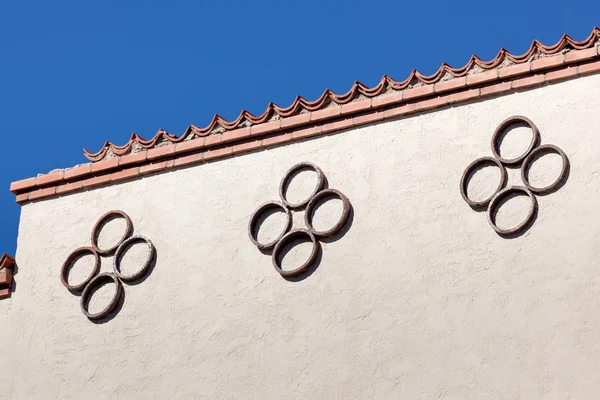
{"points": [[273, 111], [6, 261]]}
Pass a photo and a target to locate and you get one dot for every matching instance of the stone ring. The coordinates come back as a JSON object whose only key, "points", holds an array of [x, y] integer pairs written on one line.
{"points": [[285, 240], [547, 148], [96, 282], [313, 203], [505, 124], [254, 220], [503, 194], [470, 169], [101, 221], [286, 179], [63, 272], [117, 259]]}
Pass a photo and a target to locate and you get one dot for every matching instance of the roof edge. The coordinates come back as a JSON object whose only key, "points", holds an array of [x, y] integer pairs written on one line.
{"points": [[168, 157], [358, 91]]}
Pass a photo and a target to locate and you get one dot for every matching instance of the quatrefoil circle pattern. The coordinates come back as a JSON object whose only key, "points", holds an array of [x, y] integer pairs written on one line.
{"points": [[97, 279], [524, 162], [310, 204]]}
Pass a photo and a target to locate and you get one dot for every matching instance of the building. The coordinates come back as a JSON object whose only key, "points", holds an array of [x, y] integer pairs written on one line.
{"points": [[414, 295]]}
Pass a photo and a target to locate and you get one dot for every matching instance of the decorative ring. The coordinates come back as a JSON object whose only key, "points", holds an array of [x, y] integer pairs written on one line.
{"points": [[470, 168], [122, 247], [69, 261], [285, 240], [286, 179], [101, 221], [254, 220], [547, 148], [85, 297], [505, 124], [502, 195], [339, 225]]}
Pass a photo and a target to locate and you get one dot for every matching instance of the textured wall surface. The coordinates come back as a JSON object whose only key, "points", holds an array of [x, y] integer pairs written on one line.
{"points": [[419, 299]]}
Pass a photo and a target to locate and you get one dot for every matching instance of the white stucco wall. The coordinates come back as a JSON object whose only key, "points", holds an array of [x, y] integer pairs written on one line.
{"points": [[420, 299]]}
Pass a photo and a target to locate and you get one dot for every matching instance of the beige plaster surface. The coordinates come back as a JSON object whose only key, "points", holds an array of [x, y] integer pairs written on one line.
{"points": [[419, 299]]}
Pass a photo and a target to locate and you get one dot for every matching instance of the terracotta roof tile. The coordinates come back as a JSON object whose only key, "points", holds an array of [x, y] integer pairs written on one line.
{"points": [[7, 264], [6, 261], [503, 65]]}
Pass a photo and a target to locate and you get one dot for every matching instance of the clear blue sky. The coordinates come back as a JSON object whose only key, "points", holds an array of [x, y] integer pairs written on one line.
{"points": [[76, 73]]}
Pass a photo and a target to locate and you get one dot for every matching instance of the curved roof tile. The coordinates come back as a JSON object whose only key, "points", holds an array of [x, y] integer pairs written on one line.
{"points": [[415, 78]]}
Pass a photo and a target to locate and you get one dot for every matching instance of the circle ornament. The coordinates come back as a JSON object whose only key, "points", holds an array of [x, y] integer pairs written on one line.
{"points": [[547, 148], [87, 294], [465, 176], [502, 195], [285, 240], [97, 228], [69, 261], [117, 259], [505, 124], [288, 177], [310, 208]]}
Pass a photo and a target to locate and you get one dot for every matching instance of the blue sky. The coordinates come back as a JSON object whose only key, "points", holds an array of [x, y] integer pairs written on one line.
{"points": [[76, 73]]}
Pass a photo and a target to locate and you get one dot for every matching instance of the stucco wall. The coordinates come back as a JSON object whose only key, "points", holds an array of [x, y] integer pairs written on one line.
{"points": [[420, 298]]}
